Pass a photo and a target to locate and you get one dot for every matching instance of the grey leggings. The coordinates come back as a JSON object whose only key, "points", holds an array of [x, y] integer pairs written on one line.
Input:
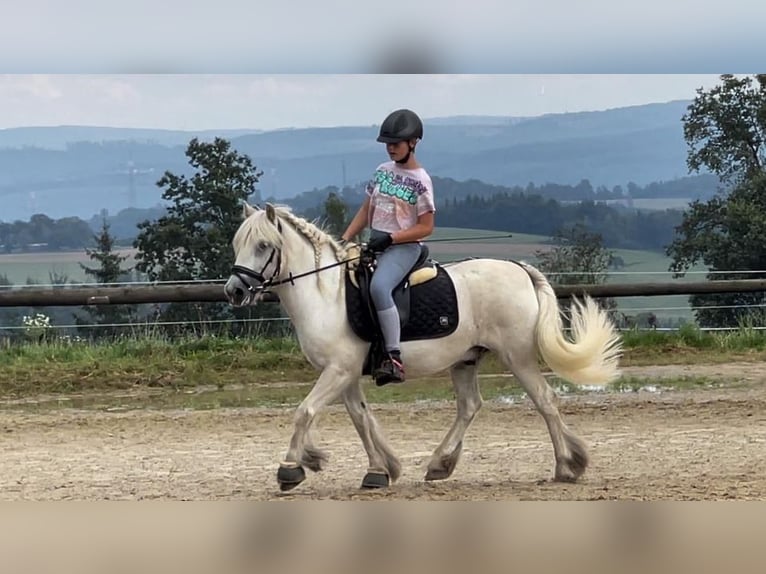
{"points": [[393, 266]]}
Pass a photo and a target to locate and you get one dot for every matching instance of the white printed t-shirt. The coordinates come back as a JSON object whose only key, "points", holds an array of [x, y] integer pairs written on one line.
{"points": [[398, 196]]}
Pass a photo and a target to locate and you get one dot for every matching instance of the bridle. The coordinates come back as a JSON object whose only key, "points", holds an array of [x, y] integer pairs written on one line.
{"points": [[240, 271]]}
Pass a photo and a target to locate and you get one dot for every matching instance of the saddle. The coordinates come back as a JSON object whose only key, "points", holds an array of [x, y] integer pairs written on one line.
{"points": [[425, 299]]}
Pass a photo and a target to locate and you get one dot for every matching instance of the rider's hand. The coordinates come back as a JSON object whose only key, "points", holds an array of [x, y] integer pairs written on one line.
{"points": [[380, 242]]}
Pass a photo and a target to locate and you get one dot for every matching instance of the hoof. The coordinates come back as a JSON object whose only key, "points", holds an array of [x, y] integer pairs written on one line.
{"points": [[437, 474], [441, 468], [568, 471], [375, 480], [564, 478], [289, 477]]}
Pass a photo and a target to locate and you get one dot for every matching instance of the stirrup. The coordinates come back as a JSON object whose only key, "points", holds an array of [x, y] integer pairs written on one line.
{"points": [[390, 371]]}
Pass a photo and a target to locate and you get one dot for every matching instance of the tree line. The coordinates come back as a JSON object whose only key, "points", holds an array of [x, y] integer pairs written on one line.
{"points": [[619, 227], [42, 232], [471, 203]]}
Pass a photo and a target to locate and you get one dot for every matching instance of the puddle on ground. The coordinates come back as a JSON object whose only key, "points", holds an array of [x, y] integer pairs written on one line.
{"points": [[289, 394]]}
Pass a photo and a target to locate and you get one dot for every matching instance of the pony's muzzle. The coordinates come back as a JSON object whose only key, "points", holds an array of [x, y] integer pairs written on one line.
{"points": [[237, 293]]}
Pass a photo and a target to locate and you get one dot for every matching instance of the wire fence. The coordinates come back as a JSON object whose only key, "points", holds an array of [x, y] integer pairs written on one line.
{"points": [[267, 320], [630, 313], [160, 324], [150, 324]]}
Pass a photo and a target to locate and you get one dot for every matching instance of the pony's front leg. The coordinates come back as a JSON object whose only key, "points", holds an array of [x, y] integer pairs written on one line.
{"points": [[384, 467], [328, 388]]}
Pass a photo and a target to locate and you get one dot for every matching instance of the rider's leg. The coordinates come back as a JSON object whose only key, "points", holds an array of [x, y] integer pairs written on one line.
{"points": [[393, 266]]}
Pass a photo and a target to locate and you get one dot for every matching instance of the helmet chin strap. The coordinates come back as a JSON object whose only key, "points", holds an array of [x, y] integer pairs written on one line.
{"points": [[406, 158]]}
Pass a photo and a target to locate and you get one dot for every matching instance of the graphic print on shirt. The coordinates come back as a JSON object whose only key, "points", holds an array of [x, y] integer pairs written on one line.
{"points": [[398, 197], [405, 188]]}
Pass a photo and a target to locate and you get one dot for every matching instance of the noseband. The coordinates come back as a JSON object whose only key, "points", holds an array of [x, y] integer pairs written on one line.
{"points": [[240, 272]]}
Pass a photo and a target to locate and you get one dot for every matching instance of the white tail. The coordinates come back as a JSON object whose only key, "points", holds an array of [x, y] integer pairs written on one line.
{"points": [[592, 356]]}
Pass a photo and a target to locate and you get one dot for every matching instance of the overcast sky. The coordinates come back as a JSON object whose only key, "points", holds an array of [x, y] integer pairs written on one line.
{"points": [[278, 101], [342, 36], [347, 36]]}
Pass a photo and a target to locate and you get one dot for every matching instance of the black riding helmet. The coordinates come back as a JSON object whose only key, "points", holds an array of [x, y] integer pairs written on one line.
{"points": [[401, 125]]}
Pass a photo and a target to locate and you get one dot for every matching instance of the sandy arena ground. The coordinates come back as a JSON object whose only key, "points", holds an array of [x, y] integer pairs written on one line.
{"points": [[680, 445]]}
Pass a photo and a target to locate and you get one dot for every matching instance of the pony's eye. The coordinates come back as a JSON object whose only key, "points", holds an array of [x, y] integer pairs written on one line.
{"points": [[262, 245]]}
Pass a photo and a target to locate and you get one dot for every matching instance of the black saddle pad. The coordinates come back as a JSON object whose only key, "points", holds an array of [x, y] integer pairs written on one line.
{"points": [[433, 310]]}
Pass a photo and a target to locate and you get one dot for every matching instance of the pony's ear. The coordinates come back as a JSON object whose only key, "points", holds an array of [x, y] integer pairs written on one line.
{"points": [[271, 213], [248, 210]]}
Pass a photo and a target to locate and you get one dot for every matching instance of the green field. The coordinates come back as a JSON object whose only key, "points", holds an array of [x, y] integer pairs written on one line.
{"points": [[655, 203], [639, 267], [662, 203], [18, 267], [643, 267]]}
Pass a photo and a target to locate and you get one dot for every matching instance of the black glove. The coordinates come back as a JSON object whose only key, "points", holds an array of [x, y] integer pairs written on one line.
{"points": [[380, 242]]}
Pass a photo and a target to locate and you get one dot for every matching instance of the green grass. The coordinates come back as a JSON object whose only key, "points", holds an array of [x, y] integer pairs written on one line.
{"points": [[691, 345], [222, 371], [132, 363]]}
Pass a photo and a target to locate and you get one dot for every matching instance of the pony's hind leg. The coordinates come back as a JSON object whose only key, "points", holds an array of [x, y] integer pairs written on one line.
{"points": [[328, 387], [465, 380], [569, 450]]}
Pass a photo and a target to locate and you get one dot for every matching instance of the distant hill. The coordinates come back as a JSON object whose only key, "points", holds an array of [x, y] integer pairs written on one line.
{"points": [[59, 137], [72, 170], [477, 120]]}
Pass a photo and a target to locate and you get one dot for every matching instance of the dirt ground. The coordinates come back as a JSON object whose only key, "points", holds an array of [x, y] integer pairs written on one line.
{"points": [[678, 445]]}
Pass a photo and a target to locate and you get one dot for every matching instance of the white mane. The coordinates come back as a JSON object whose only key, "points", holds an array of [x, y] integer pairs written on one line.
{"points": [[257, 227]]}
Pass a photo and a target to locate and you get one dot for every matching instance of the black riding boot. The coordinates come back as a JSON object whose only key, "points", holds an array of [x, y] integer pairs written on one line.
{"points": [[391, 370]]}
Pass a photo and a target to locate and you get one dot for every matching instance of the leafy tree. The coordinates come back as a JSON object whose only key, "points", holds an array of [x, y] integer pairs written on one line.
{"points": [[108, 270], [725, 129], [192, 240], [579, 257]]}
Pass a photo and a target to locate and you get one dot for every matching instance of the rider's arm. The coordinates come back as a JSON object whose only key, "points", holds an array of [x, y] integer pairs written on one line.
{"points": [[359, 222], [423, 228]]}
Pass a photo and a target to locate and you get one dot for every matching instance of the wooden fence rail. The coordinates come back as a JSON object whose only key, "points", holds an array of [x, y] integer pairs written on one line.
{"points": [[200, 293]]}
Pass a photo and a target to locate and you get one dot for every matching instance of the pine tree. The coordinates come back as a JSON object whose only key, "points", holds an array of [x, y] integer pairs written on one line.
{"points": [[335, 214], [108, 270]]}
